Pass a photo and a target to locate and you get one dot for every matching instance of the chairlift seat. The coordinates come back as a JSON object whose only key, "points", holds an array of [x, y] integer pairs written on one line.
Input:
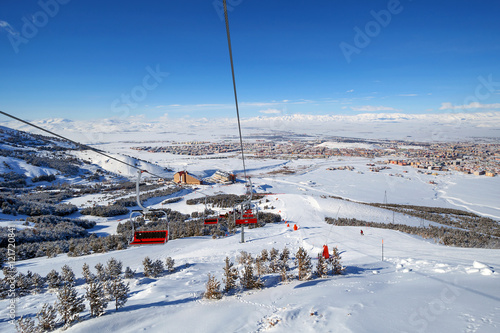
{"points": [[150, 237], [211, 221]]}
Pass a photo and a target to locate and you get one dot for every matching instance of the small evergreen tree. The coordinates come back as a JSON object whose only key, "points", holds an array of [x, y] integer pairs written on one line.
{"points": [[213, 288], [230, 276], [23, 284], [26, 325], [102, 275], [264, 255], [53, 279], [282, 269], [37, 283], [303, 262], [260, 266], [273, 254], [96, 297], [69, 304], [321, 266], [114, 268], [148, 267], [334, 260], [87, 274], [117, 291], [169, 263], [158, 268], [129, 273], [248, 280], [67, 275], [46, 318]]}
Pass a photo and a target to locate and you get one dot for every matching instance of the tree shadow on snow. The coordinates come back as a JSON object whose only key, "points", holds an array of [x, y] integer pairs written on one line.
{"points": [[161, 303]]}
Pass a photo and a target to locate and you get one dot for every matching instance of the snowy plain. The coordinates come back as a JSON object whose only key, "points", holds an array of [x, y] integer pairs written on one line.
{"points": [[419, 286]]}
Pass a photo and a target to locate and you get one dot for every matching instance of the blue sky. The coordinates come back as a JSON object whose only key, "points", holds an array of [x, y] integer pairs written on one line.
{"points": [[91, 59]]}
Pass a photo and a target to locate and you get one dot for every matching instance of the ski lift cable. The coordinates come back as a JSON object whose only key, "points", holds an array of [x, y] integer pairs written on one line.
{"points": [[234, 86], [77, 143]]}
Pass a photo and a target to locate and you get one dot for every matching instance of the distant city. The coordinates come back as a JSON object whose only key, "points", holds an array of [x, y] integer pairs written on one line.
{"points": [[470, 158]]}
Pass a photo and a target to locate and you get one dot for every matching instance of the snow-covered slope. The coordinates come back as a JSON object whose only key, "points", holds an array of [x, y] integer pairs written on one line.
{"points": [[418, 287]]}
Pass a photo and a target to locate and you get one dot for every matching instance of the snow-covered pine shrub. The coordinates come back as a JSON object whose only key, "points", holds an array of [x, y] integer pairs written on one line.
{"points": [[114, 268], [96, 297], [67, 275], [230, 276], [303, 262], [69, 304], [285, 255], [117, 291], [248, 280], [169, 263], [37, 282], [158, 268], [46, 317], [87, 274], [23, 284], [321, 266], [260, 266], [129, 273], [334, 260], [102, 275], [264, 255], [26, 325], [53, 279], [148, 267], [213, 288]]}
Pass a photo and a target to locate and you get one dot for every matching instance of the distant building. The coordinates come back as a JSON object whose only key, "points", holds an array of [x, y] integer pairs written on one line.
{"points": [[183, 177], [223, 176]]}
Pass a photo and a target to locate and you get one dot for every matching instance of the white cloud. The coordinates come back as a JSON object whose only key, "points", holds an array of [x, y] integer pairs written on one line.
{"points": [[271, 111], [408, 95], [372, 108], [349, 91], [7, 27], [473, 105]]}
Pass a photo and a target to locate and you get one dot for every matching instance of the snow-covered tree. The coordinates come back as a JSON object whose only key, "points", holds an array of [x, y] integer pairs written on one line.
{"points": [[114, 268], [23, 284], [260, 266], [26, 325], [285, 254], [69, 304], [37, 283], [248, 280], [213, 288], [67, 275], [264, 255], [158, 268], [148, 267], [102, 275], [53, 279], [273, 254], [169, 263], [303, 262], [46, 318], [321, 266], [96, 297], [117, 291], [335, 263], [129, 273], [87, 274], [230, 276]]}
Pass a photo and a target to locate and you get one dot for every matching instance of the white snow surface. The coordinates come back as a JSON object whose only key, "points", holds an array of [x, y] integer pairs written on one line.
{"points": [[419, 286]]}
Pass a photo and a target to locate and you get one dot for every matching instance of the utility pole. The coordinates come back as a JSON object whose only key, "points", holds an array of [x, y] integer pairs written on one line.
{"points": [[382, 249]]}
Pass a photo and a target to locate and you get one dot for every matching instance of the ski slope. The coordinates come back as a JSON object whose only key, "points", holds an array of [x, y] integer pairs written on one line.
{"points": [[418, 287]]}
